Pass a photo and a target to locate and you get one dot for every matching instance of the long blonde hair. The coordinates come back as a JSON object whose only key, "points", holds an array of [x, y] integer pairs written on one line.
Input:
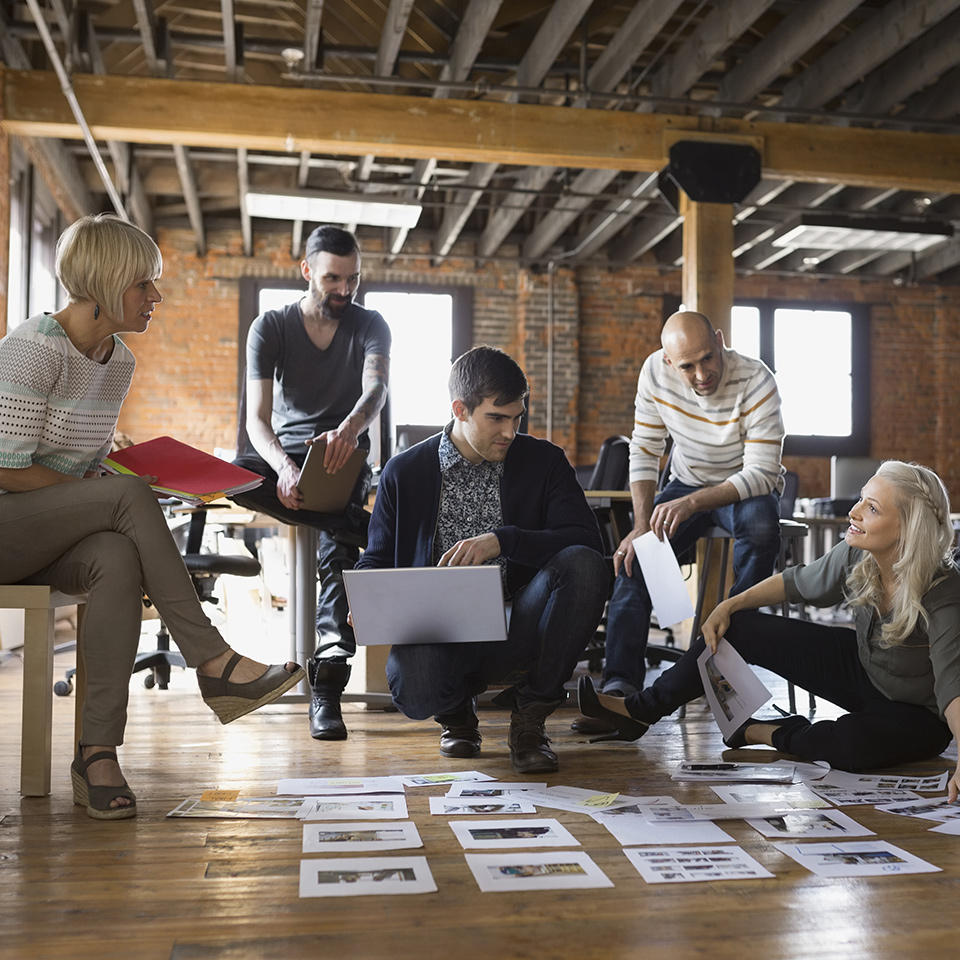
{"points": [[924, 548]]}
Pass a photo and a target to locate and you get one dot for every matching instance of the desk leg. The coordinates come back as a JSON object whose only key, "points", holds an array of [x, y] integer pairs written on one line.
{"points": [[292, 592], [304, 573]]}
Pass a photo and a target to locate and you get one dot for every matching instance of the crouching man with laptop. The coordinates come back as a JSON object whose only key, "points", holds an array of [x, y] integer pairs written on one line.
{"points": [[482, 493]]}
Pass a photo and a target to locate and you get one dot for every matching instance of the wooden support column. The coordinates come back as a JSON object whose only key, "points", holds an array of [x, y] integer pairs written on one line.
{"points": [[708, 288], [708, 260]]}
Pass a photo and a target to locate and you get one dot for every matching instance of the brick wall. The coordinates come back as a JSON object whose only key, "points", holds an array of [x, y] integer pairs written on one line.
{"points": [[604, 324]]}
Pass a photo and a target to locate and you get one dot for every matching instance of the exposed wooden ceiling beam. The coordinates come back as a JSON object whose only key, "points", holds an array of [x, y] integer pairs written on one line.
{"points": [[881, 36], [912, 69], [188, 113], [784, 44], [544, 49], [191, 196], [728, 20], [636, 32]]}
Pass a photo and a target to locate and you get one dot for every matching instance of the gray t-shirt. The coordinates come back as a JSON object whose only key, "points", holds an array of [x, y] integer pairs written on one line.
{"points": [[314, 390]]}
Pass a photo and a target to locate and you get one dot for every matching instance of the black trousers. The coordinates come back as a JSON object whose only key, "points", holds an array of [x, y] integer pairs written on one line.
{"points": [[339, 538], [876, 732]]}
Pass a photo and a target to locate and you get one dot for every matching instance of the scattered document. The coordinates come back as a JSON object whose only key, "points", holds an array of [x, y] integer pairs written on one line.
{"points": [[769, 773], [858, 858], [363, 807], [712, 811], [693, 864], [866, 781], [253, 808], [365, 876], [936, 808], [437, 779], [733, 690], [360, 837], [847, 796], [630, 827], [797, 796], [502, 806], [951, 828], [327, 786], [497, 789], [578, 799], [810, 823], [665, 583], [506, 834], [557, 870]]}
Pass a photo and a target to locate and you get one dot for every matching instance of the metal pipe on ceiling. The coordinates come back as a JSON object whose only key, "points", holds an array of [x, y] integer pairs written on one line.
{"points": [[67, 87]]}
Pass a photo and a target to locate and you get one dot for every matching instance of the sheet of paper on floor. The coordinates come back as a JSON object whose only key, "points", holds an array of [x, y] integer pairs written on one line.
{"points": [[360, 837], [556, 870], [856, 858], [695, 864], [365, 876]]}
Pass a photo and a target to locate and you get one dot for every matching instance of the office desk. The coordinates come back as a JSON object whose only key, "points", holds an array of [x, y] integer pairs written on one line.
{"points": [[619, 507], [825, 533]]}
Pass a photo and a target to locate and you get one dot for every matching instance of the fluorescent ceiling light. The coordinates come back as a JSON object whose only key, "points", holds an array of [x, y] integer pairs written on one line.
{"points": [[839, 232], [317, 207]]}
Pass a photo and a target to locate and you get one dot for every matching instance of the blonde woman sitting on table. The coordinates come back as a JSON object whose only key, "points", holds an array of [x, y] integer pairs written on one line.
{"points": [[63, 377], [897, 672]]}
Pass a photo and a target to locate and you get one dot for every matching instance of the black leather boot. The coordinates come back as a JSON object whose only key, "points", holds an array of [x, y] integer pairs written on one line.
{"points": [[460, 731], [529, 745], [327, 678]]}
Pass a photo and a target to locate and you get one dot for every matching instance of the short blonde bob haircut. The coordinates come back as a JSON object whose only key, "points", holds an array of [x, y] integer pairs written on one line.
{"points": [[101, 256]]}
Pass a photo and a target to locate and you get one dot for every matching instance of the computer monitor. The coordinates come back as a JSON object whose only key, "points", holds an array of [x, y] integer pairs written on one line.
{"points": [[849, 474]]}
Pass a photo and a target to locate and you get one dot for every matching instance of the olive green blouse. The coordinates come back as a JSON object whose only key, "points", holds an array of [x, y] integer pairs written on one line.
{"points": [[925, 668]]}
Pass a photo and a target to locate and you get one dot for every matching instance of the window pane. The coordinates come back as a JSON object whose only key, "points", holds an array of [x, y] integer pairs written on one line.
{"points": [[745, 331], [273, 298], [422, 328], [814, 371]]}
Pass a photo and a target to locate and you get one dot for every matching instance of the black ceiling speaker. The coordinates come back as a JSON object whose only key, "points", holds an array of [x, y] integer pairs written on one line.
{"points": [[709, 172]]}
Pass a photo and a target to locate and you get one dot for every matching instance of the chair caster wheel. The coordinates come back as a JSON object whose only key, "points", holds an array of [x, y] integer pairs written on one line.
{"points": [[149, 681], [63, 688]]}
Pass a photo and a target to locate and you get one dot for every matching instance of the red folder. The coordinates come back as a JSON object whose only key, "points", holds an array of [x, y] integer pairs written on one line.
{"points": [[182, 471]]}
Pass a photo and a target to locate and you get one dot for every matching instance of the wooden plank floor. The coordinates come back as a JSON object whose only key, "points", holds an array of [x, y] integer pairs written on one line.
{"points": [[153, 888]]}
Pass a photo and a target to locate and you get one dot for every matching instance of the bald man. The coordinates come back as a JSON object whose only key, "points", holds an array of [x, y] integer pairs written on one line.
{"points": [[723, 412]]}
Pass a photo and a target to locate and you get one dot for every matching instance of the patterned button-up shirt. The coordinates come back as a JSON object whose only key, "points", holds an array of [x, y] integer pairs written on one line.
{"points": [[469, 500]]}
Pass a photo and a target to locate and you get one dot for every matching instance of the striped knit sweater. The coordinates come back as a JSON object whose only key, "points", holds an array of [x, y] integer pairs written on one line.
{"points": [[57, 407], [736, 434]]}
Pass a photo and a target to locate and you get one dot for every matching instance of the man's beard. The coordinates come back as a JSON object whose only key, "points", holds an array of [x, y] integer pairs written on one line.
{"points": [[332, 307]]}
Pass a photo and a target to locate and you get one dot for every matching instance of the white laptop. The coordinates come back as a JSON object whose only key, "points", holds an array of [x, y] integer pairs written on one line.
{"points": [[426, 604]]}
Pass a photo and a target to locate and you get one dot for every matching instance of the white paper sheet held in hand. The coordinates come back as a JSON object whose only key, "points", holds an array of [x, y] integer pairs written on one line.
{"points": [[733, 690], [663, 578]]}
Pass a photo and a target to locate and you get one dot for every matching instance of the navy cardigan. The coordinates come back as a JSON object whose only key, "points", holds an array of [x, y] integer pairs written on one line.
{"points": [[544, 509]]}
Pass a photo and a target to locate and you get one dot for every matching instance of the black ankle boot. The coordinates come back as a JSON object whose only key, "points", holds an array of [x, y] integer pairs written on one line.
{"points": [[529, 746], [327, 678], [460, 731]]}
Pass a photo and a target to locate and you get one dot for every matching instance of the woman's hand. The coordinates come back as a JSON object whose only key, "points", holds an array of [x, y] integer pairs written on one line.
{"points": [[952, 716], [715, 626]]}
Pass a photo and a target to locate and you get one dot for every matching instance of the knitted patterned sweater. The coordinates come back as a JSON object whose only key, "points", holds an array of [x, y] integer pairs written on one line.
{"points": [[736, 434]]}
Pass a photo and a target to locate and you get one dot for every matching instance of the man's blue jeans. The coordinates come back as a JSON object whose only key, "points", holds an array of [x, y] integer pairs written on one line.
{"points": [[755, 525], [554, 616]]}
